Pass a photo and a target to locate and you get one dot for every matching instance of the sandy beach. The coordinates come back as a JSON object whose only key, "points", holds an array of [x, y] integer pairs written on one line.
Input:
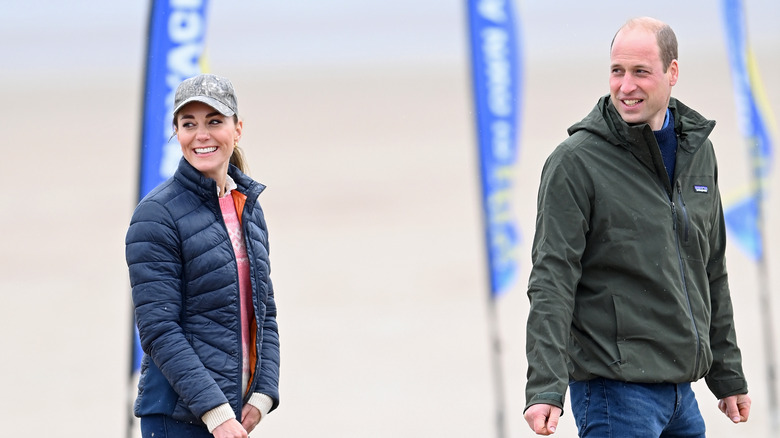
{"points": [[372, 203]]}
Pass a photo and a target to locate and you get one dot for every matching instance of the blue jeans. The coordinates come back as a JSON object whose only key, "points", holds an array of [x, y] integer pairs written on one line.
{"points": [[606, 408], [162, 426]]}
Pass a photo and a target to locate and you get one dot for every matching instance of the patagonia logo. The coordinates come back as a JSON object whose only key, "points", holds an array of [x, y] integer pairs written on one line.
{"points": [[701, 189]]}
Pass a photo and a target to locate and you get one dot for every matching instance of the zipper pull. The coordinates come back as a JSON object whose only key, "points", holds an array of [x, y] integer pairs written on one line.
{"points": [[679, 193]]}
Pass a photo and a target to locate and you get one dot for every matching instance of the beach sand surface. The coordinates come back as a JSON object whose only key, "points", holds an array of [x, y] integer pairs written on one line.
{"points": [[376, 244]]}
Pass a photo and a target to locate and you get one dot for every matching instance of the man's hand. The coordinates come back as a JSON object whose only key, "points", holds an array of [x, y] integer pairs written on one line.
{"points": [[736, 407], [543, 418], [230, 429], [250, 416]]}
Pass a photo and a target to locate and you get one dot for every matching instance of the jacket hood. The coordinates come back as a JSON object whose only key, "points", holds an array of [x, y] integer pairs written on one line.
{"points": [[605, 122]]}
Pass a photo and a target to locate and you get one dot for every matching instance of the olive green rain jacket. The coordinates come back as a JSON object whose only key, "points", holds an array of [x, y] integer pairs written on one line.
{"points": [[629, 279]]}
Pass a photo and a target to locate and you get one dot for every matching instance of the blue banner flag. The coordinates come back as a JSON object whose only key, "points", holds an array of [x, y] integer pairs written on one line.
{"points": [[743, 218], [496, 82], [176, 37], [175, 52]]}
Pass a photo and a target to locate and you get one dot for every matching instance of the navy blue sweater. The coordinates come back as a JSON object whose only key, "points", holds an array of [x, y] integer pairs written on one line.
{"points": [[667, 142]]}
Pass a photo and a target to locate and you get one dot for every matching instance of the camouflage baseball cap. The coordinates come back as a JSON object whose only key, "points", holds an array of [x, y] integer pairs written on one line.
{"points": [[213, 90]]}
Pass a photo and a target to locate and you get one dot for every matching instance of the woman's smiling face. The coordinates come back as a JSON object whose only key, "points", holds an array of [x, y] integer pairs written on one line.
{"points": [[207, 139]]}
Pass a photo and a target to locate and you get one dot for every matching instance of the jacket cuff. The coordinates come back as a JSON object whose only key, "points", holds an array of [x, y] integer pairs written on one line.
{"points": [[262, 402], [547, 398], [217, 416], [724, 388]]}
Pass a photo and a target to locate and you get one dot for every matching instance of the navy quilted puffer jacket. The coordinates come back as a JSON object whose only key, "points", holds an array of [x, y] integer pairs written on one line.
{"points": [[185, 290]]}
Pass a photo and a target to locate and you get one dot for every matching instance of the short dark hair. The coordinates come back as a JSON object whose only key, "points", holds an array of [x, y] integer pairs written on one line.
{"points": [[664, 36]]}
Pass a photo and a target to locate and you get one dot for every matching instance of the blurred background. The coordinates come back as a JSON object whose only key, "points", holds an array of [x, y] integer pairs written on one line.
{"points": [[358, 117]]}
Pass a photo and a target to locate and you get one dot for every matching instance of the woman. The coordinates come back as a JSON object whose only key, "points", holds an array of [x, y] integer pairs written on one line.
{"points": [[197, 251]]}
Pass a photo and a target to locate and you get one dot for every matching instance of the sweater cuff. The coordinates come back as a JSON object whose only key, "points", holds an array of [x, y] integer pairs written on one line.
{"points": [[262, 402], [217, 416]]}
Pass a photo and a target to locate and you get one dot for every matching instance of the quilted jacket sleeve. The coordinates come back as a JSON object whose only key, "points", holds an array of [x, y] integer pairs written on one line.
{"points": [[153, 258], [268, 382]]}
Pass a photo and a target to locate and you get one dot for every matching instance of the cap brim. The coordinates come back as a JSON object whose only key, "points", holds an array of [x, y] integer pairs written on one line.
{"points": [[210, 101]]}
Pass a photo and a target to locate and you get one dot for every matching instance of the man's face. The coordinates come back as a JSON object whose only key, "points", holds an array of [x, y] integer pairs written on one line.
{"points": [[639, 87]]}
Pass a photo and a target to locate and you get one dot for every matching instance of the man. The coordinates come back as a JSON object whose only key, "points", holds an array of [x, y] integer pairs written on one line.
{"points": [[629, 292]]}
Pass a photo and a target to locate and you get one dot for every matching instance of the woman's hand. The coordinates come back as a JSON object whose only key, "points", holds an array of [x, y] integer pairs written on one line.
{"points": [[230, 429], [250, 416]]}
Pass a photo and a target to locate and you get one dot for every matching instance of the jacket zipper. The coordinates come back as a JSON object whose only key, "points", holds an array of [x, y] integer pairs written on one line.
{"points": [[686, 220], [249, 251], [682, 275]]}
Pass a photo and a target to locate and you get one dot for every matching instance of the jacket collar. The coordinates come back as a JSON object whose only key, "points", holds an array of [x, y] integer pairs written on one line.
{"points": [[206, 188], [606, 122], [691, 127]]}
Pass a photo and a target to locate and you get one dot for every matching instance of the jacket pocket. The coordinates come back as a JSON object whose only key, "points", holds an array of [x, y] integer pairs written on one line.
{"points": [[697, 198], [631, 335]]}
